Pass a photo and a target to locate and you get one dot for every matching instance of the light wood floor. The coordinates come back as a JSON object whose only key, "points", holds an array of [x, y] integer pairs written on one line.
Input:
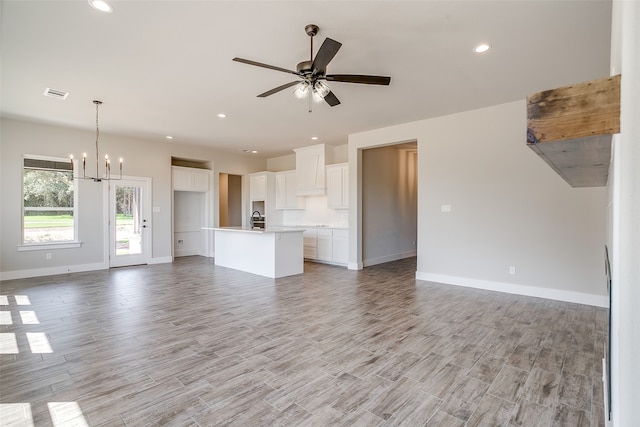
{"points": [[192, 344]]}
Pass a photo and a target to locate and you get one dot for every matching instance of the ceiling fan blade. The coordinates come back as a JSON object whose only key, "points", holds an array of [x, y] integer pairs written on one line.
{"points": [[331, 99], [358, 78], [325, 54], [277, 89], [260, 64]]}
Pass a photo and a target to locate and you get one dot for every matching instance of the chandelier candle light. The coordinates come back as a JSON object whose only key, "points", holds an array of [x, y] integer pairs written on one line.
{"points": [[107, 161]]}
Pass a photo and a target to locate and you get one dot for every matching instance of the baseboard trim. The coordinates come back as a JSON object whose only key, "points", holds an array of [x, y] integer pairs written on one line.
{"points": [[510, 288], [355, 266], [389, 258], [52, 271], [160, 260]]}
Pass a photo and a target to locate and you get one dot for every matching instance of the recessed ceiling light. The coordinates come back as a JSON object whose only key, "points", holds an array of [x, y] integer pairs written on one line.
{"points": [[222, 115], [250, 151], [314, 137], [168, 137], [481, 48], [101, 5]]}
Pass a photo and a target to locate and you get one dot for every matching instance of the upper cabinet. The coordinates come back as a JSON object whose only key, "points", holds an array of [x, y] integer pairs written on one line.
{"points": [[286, 191], [338, 186], [310, 169], [190, 179], [258, 186]]}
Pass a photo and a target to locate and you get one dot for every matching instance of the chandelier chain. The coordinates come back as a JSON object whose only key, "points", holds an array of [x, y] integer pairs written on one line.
{"points": [[97, 134]]}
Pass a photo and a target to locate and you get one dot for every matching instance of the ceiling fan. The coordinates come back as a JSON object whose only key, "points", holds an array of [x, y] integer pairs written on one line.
{"points": [[313, 73]]}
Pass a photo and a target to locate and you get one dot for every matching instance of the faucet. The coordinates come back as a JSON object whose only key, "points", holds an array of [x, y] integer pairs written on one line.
{"points": [[254, 217]]}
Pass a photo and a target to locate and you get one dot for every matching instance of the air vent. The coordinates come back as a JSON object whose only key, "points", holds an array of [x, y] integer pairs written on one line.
{"points": [[53, 93]]}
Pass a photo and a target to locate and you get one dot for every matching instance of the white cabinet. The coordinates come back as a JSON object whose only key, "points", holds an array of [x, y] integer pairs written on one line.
{"points": [[310, 243], [329, 245], [286, 188], [340, 246], [325, 245], [262, 195], [258, 186], [190, 179], [338, 186], [310, 169]]}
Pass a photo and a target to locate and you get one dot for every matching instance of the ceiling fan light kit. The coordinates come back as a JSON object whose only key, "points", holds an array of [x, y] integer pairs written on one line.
{"points": [[313, 73]]}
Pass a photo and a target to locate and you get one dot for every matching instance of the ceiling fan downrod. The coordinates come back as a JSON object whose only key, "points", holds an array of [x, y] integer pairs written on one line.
{"points": [[311, 31]]}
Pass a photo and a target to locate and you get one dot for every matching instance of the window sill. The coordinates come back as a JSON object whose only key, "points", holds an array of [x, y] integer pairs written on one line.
{"points": [[52, 245]]}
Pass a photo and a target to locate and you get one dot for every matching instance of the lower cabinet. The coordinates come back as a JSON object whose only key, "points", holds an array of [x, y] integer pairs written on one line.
{"points": [[340, 245], [325, 245], [329, 245], [310, 239]]}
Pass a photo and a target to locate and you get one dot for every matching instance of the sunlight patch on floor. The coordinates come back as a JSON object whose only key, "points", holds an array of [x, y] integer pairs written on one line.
{"points": [[66, 414], [8, 343], [16, 414], [38, 342], [22, 300], [29, 318], [5, 318]]}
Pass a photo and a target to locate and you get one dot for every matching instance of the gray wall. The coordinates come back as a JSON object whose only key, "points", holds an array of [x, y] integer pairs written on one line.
{"points": [[508, 208], [235, 200], [145, 158], [389, 204]]}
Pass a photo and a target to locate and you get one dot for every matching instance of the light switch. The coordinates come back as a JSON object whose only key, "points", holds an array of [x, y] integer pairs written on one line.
{"points": [[445, 208]]}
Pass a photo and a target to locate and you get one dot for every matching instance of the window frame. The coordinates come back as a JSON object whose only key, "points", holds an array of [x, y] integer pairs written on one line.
{"points": [[61, 244]]}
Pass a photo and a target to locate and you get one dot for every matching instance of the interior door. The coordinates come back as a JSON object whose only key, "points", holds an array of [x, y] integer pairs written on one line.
{"points": [[129, 226]]}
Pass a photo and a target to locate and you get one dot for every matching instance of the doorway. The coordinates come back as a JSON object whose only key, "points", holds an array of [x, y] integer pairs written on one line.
{"points": [[389, 203], [129, 227], [230, 200]]}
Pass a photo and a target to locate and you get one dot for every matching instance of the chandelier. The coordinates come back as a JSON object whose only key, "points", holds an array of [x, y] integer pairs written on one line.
{"points": [[106, 176]]}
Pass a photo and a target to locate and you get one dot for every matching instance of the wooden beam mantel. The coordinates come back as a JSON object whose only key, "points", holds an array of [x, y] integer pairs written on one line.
{"points": [[571, 129]]}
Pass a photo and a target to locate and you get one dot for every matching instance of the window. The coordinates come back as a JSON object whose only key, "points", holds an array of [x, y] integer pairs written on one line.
{"points": [[49, 207]]}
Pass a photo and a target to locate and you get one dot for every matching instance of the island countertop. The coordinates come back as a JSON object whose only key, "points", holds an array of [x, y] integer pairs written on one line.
{"points": [[273, 252], [256, 230]]}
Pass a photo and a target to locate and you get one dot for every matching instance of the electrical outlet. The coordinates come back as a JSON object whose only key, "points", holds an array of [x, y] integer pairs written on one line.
{"points": [[180, 242], [512, 270], [49, 256]]}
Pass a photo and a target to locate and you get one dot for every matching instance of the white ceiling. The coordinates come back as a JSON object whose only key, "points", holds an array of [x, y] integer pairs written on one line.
{"points": [[164, 67]]}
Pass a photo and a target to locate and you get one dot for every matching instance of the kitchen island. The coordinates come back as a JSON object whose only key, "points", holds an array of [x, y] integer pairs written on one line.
{"points": [[271, 252]]}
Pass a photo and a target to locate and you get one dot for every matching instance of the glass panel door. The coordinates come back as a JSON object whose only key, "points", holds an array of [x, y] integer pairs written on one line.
{"points": [[128, 223]]}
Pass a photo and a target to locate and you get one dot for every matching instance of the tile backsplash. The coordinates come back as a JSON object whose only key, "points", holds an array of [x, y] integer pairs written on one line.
{"points": [[316, 213]]}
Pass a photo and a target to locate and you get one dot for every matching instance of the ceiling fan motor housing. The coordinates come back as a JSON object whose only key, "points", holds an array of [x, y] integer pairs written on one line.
{"points": [[304, 68]]}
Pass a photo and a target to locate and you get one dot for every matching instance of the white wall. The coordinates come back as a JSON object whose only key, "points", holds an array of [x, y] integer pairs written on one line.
{"points": [[146, 158], [624, 218], [288, 161], [508, 208], [389, 204]]}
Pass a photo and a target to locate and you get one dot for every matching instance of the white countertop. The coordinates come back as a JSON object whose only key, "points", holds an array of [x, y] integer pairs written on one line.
{"points": [[256, 230], [318, 226]]}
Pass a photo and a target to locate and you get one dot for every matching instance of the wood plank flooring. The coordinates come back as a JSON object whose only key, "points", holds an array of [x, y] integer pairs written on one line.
{"points": [[192, 344]]}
